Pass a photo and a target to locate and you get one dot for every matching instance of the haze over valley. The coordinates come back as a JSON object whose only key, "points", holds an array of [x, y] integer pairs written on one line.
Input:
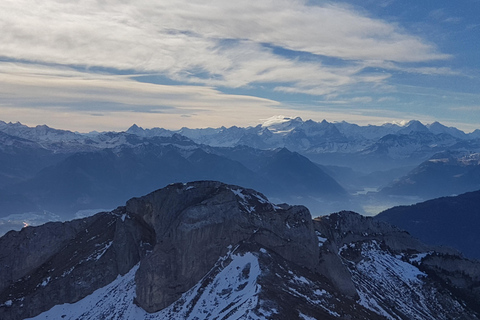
{"points": [[53, 174]]}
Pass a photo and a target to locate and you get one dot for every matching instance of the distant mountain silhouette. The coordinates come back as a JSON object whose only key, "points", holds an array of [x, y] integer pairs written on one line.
{"points": [[449, 221], [102, 178], [447, 173], [288, 159]]}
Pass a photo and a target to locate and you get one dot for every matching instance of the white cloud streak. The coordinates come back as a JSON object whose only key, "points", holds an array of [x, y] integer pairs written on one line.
{"points": [[287, 46], [62, 86], [220, 43], [36, 94], [69, 99]]}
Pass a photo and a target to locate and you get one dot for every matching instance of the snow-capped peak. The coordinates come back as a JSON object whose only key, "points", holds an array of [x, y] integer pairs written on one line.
{"points": [[278, 120], [282, 124]]}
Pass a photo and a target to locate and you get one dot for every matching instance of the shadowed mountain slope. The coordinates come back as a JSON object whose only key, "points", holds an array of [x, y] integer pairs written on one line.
{"points": [[448, 221]]}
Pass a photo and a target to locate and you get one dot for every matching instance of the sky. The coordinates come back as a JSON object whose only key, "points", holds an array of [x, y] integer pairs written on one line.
{"points": [[102, 65]]}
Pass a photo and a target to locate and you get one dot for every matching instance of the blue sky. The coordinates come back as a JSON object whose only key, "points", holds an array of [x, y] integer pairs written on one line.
{"points": [[104, 65]]}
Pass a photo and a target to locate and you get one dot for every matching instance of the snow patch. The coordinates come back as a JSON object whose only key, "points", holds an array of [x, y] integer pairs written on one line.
{"points": [[45, 282], [417, 258], [231, 294], [100, 252], [305, 317], [243, 200], [114, 302], [275, 120], [382, 280], [321, 239], [300, 279]]}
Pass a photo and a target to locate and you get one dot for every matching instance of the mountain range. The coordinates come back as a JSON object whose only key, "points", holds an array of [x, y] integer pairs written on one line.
{"points": [[364, 148], [132, 165], [208, 250], [327, 166]]}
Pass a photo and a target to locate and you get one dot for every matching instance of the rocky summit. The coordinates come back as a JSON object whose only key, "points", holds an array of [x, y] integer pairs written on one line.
{"points": [[208, 250]]}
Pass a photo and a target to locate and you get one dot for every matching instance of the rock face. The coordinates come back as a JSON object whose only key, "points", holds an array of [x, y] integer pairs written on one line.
{"points": [[395, 274], [207, 250], [195, 223], [64, 262]]}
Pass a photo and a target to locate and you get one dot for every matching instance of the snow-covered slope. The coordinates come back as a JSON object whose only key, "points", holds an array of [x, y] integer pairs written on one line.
{"points": [[383, 280], [328, 143], [244, 284], [231, 292], [206, 250]]}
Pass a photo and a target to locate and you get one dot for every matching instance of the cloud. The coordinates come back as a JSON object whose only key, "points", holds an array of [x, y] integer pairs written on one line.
{"points": [[66, 98], [390, 66], [82, 58], [442, 15], [53, 87], [215, 43], [387, 99], [466, 108]]}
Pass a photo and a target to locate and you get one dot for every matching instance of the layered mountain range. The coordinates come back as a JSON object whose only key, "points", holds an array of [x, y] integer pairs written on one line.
{"points": [[372, 147], [54, 174], [126, 165], [208, 250]]}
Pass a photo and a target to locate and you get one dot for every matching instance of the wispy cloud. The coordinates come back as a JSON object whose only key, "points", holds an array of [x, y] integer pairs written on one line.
{"points": [[217, 42], [69, 99], [390, 66], [442, 15], [60, 58], [63, 87], [466, 108]]}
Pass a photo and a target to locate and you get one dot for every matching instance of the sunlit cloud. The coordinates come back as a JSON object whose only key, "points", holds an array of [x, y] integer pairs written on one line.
{"points": [[69, 99], [84, 58], [223, 41], [63, 87]]}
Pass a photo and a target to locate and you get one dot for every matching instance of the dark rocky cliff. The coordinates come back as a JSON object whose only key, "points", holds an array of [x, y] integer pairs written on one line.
{"points": [[194, 224], [64, 262], [181, 243]]}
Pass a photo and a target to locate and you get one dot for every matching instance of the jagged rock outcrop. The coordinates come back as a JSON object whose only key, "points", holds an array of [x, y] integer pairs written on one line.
{"points": [[348, 227], [195, 223], [207, 250], [384, 267]]}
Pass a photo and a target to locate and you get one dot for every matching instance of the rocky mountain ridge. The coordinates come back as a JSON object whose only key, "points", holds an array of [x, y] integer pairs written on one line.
{"points": [[412, 140], [207, 250], [371, 147]]}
